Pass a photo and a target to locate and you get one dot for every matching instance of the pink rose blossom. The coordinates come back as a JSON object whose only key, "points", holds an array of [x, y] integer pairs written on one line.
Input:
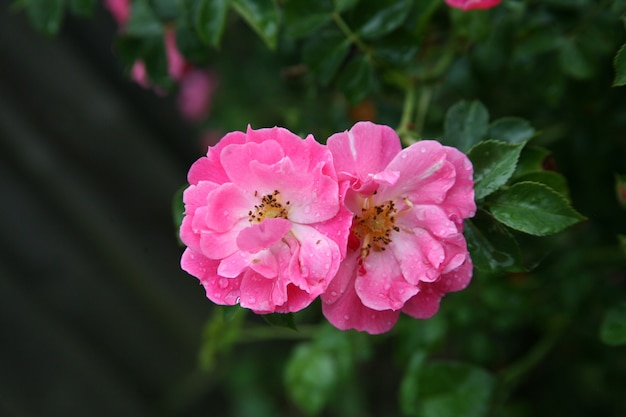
{"points": [[473, 4], [264, 224], [177, 66], [406, 248]]}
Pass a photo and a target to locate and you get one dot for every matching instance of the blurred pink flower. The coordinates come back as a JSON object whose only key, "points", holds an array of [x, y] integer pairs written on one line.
{"points": [[264, 224], [195, 94], [120, 9], [406, 248], [139, 74], [177, 66], [473, 4]]}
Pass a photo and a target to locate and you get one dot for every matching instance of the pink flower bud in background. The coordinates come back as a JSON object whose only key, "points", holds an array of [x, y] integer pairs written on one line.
{"points": [[176, 64], [473, 4], [120, 9], [139, 74], [195, 94]]}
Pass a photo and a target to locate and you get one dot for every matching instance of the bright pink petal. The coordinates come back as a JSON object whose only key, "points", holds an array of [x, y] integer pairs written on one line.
{"points": [[380, 285], [425, 175], [428, 217], [262, 235], [210, 168], [120, 9], [457, 279], [226, 206], [363, 151], [237, 159], [343, 308], [424, 304], [220, 290], [419, 255], [459, 203]]}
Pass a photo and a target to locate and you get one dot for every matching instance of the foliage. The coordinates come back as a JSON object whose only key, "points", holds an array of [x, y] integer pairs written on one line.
{"points": [[525, 90]]}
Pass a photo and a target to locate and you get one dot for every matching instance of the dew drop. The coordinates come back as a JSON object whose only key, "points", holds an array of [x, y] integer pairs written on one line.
{"points": [[403, 155], [387, 286], [326, 266], [252, 300], [225, 212], [223, 282], [346, 317], [307, 209], [237, 300], [422, 150], [333, 293]]}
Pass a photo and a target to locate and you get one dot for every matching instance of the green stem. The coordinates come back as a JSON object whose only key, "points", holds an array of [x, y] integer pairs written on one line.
{"points": [[407, 111], [422, 109], [353, 37]]}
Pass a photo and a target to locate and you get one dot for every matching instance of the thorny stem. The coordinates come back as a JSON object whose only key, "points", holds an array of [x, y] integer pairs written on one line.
{"points": [[405, 125]]}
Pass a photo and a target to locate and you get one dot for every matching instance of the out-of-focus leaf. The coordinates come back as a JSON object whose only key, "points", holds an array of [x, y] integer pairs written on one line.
{"points": [[210, 20], [325, 53], [262, 16], [622, 243], [311, 376], [219, 335], [281, 320], [573, 62], [46, 15], [613, 329], [190, 45], [511, 130], [473, 26], [466, 123], [410, 384], [552, 179], [533, 208], [356, 80], [167, 9], [304, 17], [397, 49], [620, 67], [379, 17], [492, 247], [151, 51], [494, 163], [447, 389], [143, 21], [83, 8]]}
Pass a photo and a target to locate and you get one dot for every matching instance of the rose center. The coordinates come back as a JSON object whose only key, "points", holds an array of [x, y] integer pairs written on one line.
{"points": [[270, 207], [375, 225]]}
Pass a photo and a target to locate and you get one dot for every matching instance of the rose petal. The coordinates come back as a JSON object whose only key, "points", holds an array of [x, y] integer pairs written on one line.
{"points": [[262, 235]]}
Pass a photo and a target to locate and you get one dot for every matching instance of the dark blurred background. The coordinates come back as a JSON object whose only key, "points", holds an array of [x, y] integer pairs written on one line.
{"points": [[96, 317]]}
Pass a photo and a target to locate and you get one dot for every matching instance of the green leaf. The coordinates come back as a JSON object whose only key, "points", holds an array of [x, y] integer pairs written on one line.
{"points": [[210, 20], [492, 247], [573, 62], [466, 123], [533, 208], [447, 389], [311, 376], [613, 329], [552, 179], [379, 17], [532, 159], [325, 53], [356, 80], [46, 15], [143, 21], [83, 8], [494, 163], [511, 130], [281, 320], [262, 16], [219, 336], [410, 383], [304, 17], [620, 67], [622, 243], [397, 49]]}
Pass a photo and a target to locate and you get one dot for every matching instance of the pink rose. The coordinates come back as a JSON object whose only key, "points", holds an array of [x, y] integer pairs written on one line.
{"points": [[406, 248], [473, 4], [264, 224]]}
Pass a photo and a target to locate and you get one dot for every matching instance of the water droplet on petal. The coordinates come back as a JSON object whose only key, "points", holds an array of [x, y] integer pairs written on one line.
{"points": [[346, 317], [333, 293], [237, 300], [223, 282], [422, 150], [403, 155], [217, 295], [387, 286], [252, 300], [225, 212], [307, 209]]}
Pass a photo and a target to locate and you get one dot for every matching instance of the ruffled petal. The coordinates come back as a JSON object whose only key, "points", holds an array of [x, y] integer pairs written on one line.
{"points": [[226, 206], [218, 289], [380, 284], [418, 254], [262, 235], [343, 308]]}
